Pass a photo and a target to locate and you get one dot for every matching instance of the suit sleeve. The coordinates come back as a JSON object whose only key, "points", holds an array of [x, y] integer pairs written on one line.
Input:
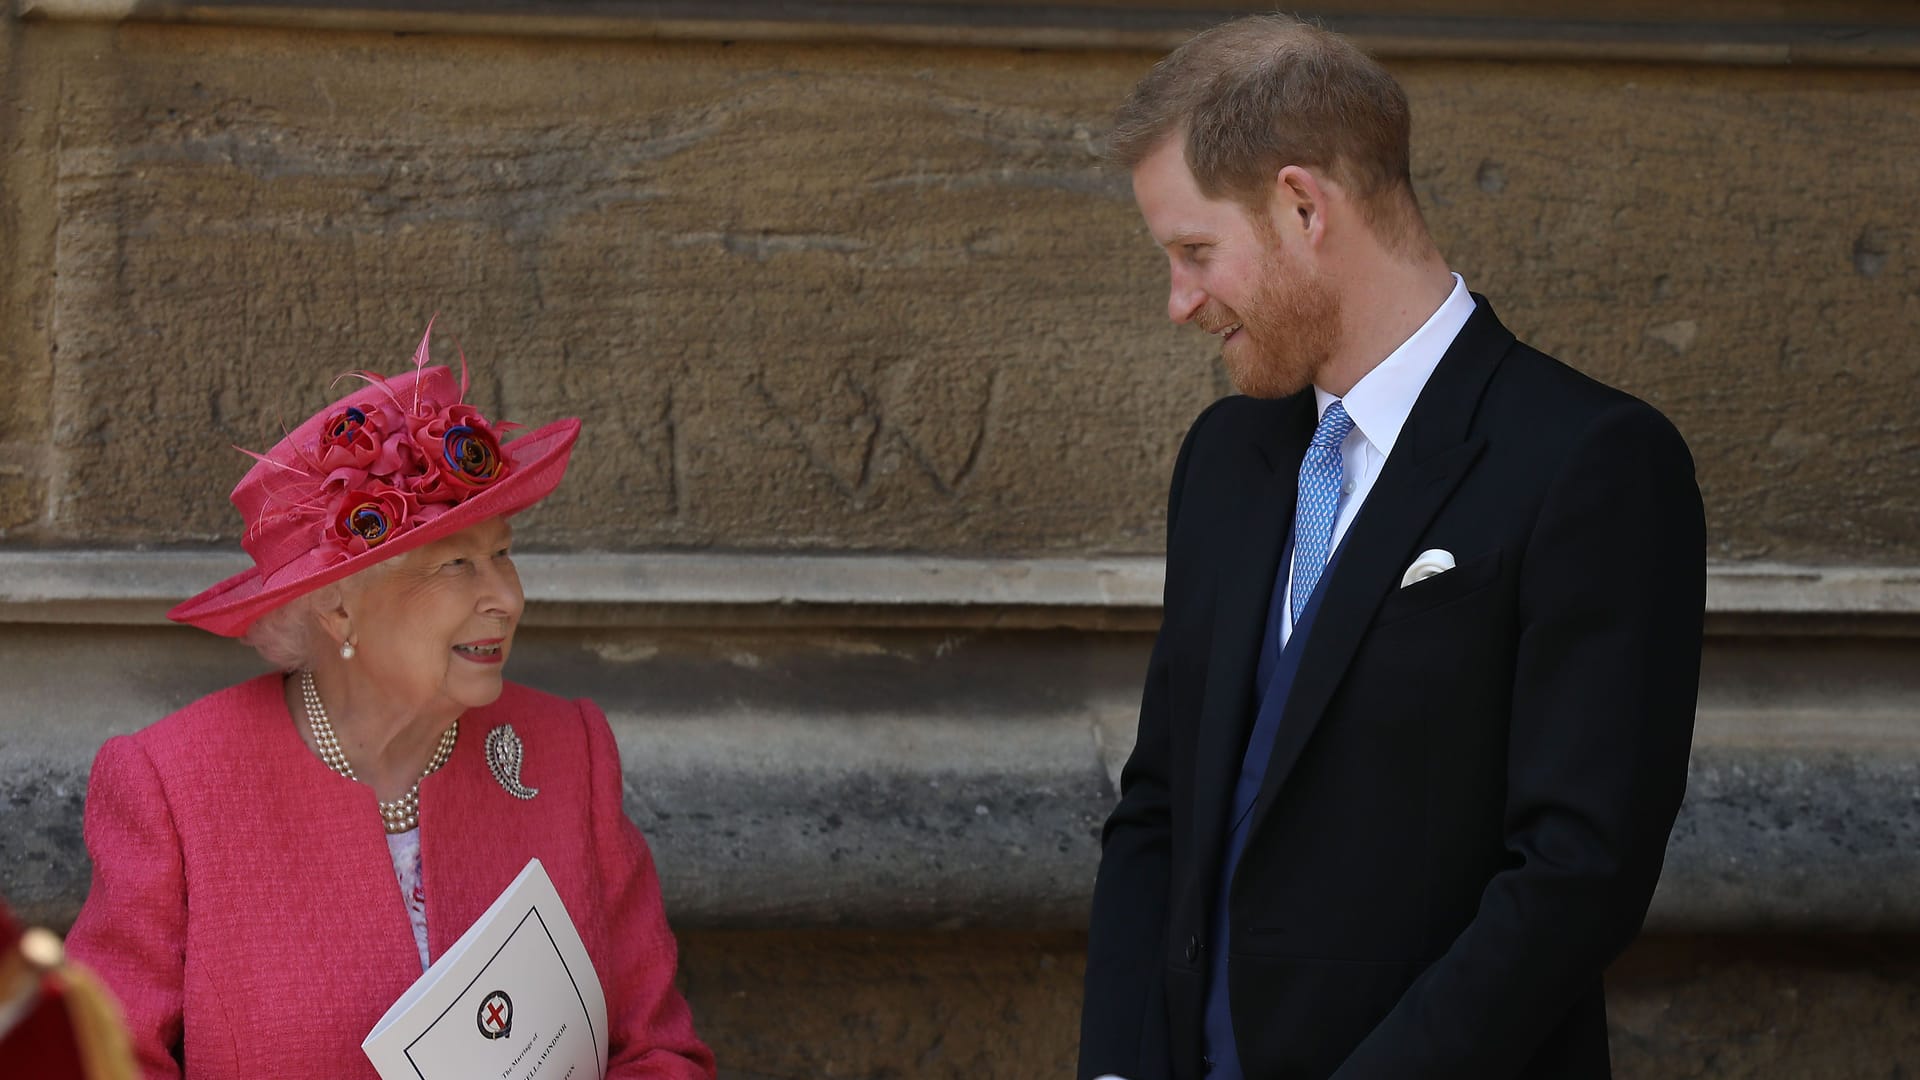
{"points": [[1124, 1004], [132, 930], [1611, 594], [650, 1034]]}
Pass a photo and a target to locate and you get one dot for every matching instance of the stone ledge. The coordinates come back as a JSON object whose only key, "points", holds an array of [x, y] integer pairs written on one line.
{"points": [[651, 589], [1803, 840], [889, 741], [1565, 32], [1767, 841]]}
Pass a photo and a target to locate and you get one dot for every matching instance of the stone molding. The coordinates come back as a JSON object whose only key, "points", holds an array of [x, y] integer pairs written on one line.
{"points": [[921, 741], [1867, 34], [881, 590]]}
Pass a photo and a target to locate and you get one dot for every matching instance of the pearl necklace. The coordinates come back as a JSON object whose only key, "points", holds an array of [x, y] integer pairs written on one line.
{"points": [[401, 814]]}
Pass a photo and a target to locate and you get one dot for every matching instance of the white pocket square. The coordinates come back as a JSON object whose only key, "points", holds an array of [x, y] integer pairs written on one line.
{"points": [[1428, 563]]}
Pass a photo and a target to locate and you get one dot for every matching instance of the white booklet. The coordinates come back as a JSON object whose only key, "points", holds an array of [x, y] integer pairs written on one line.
{"points": [[516, 998]]}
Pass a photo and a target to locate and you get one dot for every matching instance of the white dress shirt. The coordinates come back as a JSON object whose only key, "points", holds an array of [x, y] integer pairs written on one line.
{"points": [[1379, 404]]}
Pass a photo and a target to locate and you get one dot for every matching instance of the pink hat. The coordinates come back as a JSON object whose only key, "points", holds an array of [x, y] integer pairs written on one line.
{"points": [[393, 466]]}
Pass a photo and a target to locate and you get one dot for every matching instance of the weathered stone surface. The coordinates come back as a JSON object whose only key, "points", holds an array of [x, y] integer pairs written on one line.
{"points": [[1747, 1008], [1644, 224], [916, 778], [21, 501], [932, 1006], [806, 830], [43, 858], [886, 1006], [815, 299], [834, 298], [26, 230], [1808, 839], [10, 153]]}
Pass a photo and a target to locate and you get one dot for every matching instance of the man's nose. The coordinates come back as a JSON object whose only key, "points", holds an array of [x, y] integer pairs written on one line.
{"points": [[1184, 299]]}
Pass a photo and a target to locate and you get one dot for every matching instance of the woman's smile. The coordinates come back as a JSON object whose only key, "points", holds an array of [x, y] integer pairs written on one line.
{"points": [[490, 651]]}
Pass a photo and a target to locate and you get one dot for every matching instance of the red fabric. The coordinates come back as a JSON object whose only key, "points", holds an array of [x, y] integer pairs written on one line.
{"points": [[42, 1044], [244, 907]]}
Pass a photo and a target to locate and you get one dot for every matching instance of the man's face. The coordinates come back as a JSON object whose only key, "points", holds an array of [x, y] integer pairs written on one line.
{"points": [[1237, 277]]}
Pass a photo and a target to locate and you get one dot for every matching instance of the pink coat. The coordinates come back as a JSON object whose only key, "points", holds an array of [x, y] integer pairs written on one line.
{"points": [[244, 906]]}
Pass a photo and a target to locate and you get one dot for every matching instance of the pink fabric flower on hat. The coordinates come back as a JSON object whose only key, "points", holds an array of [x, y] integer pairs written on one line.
{"points": [[350, 440], [363, 518], [462, 454], [361, 443]]}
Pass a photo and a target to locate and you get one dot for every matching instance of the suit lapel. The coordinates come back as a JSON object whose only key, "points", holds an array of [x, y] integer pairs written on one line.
{"points": [[1250, 556], [1434, 452]]}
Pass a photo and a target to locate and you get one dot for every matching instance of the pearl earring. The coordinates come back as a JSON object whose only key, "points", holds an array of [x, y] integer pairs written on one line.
{"points": [[346, 650]]}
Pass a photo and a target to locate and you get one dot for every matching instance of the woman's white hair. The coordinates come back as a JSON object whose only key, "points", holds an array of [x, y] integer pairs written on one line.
{"points": [[290, 637]]}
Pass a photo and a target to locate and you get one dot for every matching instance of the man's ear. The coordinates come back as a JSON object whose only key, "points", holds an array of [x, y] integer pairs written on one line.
{"points": [[1299, 205]]}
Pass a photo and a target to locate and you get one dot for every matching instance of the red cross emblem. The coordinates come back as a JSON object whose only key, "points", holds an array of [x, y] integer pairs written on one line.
{"points": [[496, 1015]]}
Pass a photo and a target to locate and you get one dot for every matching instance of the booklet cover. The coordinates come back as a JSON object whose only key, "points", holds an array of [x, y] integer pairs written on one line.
{"points": [[515, 998]]}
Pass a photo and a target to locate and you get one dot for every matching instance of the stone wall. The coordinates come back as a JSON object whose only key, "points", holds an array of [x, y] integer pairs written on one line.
{"points": [[877, 309], [863, 298]]}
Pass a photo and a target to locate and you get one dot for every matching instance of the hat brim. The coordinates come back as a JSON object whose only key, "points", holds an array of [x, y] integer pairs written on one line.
{"points": [[539, 461]]}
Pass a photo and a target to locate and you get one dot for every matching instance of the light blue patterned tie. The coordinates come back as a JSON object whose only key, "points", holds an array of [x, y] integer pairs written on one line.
{"points": [[1317, 504]]}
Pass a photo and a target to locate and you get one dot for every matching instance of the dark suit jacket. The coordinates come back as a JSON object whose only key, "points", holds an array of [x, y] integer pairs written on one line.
{"points": [[1469, 796]]}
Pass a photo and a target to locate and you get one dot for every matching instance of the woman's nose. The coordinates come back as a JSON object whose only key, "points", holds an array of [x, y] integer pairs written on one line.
{"points": [[503, 597]]}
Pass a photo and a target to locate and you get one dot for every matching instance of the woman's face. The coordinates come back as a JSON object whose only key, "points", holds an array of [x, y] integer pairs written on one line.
{"points": [[432, 632]]}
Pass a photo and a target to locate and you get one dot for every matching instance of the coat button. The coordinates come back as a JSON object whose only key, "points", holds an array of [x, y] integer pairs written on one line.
{"points": [[1193, 948]]}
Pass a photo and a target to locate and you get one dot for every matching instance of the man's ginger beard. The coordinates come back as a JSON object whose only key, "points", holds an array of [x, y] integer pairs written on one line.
{"points": [[1288, 330]]}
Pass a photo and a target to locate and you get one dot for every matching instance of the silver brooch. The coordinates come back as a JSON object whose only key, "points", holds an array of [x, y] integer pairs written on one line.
{"points": [[503, 761]]}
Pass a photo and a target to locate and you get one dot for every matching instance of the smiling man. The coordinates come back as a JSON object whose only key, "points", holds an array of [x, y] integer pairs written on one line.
{"points": [[1416, 724]]}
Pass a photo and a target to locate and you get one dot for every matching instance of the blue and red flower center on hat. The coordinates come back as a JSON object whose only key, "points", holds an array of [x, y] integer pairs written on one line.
{"points": [[351, 442], [345, 425], [471, 452], [361, 519], [462, 453]]}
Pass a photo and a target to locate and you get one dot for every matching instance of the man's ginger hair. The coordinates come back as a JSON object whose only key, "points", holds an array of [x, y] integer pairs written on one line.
{"points": [[1257, 94]]}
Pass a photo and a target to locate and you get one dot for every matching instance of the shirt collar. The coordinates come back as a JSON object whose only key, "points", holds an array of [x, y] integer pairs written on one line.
{"points": [[1380, 402]]}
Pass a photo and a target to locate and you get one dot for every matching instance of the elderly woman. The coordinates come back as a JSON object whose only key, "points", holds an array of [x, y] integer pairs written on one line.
{"points": [[276, 863]]}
